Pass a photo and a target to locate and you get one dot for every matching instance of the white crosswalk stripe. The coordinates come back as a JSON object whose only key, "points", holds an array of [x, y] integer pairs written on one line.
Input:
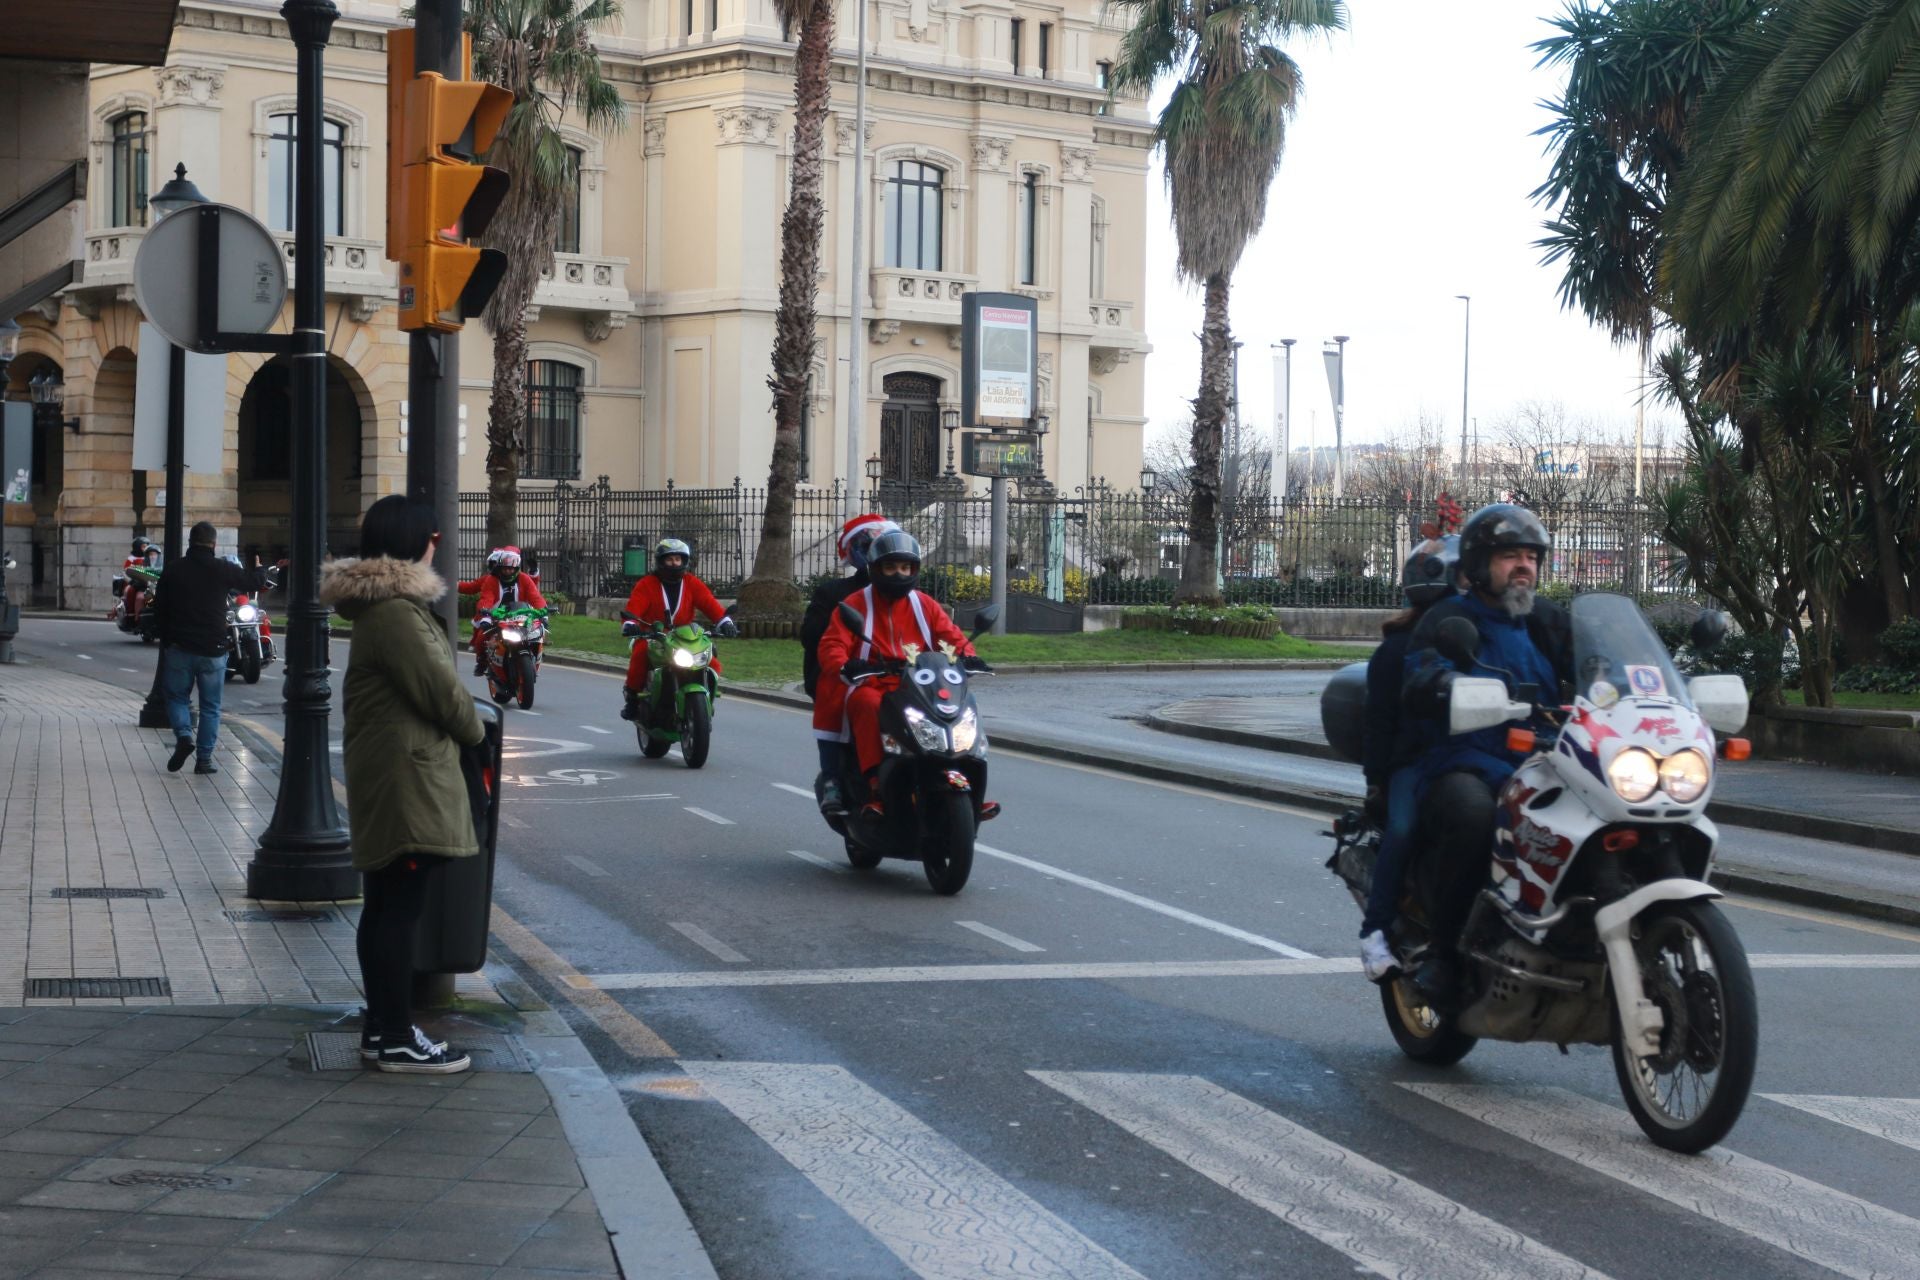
{"points": [[1385, 1222], [940, 1211], [1843, 1233], [1895, 1119]]}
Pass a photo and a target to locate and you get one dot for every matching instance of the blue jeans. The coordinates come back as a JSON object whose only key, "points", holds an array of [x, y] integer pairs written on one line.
{"points": [[1390, 868], [181, 672]]}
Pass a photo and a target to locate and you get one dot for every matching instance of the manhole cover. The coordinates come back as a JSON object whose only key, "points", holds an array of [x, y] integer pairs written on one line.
{"points": [[262, 915], [98, 891], [172, 1181], [491, 1051], [96, 988]]}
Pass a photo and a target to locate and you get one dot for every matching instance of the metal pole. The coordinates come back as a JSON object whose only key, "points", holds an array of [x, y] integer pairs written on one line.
{"points": [[856, 401], [1466, 363], [997, 548], [1283, 415], [1640, 424], [433, 359], [153, 712], [303, 855], [1340, 419]]}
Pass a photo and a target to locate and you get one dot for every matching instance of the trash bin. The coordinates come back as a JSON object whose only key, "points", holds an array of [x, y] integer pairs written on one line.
{"points": [[452, 935]]}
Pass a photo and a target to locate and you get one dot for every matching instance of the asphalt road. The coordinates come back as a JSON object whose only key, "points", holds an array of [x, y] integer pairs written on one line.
{"points": [[830, 1102]]}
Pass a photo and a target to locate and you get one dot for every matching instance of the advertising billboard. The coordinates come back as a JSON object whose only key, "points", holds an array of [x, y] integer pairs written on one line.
{"points": [[1000, 348]]}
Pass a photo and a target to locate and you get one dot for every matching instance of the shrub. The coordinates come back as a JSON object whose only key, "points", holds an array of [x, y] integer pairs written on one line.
{"points": [[1760, 659], [1114, 588], [1901, 644], [1873, 679]]}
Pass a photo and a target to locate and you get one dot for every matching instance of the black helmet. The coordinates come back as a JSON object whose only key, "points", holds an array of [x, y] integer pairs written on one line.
{"points": [[894, 544], [1499, 524], [1428, 574], [142, 545], [671, 547]]}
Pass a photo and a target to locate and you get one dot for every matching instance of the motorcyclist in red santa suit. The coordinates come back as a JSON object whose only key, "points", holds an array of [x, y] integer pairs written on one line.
{"points": [[672, 597], [502, 584], [853, 674]]}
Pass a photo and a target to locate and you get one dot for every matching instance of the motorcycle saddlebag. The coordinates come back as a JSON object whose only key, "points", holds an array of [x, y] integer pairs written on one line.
{"points": [[1343, 711]]}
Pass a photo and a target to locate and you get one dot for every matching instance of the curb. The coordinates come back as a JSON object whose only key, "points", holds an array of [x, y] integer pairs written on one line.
{"points": [[1242, 737]]}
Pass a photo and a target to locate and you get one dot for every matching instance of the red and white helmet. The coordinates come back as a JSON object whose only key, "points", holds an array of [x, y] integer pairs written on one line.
{"points": [[860, 527], [504, 558]]}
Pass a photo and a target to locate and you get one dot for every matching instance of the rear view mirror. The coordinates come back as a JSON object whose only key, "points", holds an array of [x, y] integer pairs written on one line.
{"points": [[1459, 643], [1480, 703], [1708, 630], [850, 618], [983, 621], [1720, 700]]}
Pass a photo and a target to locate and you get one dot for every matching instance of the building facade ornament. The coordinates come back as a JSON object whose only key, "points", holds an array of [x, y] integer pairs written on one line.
{"points": [[990, 152], [1076, 163], [1103, 360], [754, 126], [656, 143], [843, 135], [882, 332], [365, 306], [599, 326], [189, 84]]}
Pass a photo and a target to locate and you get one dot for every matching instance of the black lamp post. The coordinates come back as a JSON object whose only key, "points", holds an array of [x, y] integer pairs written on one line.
{"points": [[178, 194], [303, 855], [950, 421], [9, 612]]}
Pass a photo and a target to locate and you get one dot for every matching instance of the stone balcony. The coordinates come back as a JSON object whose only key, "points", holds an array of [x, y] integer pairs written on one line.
{"points": [[904, 295], [1114, 339], [591, 284], [355, 268], [1103, 314]]}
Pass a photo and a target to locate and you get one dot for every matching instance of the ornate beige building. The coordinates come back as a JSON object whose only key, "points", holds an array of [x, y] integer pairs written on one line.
{"points": [[993, 162]]}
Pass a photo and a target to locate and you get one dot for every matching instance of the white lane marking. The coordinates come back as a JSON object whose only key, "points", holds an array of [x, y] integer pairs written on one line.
{"points": [[515, 823], [1828, 1228], [84, 657], [1895, 1119], [706, 942], [1384, 1221], [588, 865], [555, 799], [714, 818], [554, 747], [1031, 972], [940, 1211], [799, 791], [1138, 900], [522, 711], [817, 860], [130, 671], [594, 728], [1795, 960], [1005, 939]]}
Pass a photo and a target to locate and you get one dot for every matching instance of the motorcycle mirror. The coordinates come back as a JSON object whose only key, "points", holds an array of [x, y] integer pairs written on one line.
{"points": [[850, 617], [983, 621], [1708, 630], [1458, 642]]}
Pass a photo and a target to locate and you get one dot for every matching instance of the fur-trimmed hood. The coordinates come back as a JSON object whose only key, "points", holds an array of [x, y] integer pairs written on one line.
{"points": [[351, 587]]}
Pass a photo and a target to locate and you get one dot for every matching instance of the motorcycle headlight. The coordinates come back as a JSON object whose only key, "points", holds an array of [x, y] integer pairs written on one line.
{"points": [[512, 635], [1685, 775], [246, 613], [966, 732], [929, 735], [684, 658], [1634, 775]]}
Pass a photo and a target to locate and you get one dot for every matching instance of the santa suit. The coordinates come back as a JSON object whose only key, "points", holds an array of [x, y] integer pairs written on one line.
{"points": [[673, 606], [888, 626], [494, 593]]}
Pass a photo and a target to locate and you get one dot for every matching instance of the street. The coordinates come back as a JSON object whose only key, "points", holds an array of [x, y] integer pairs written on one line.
{"points": [[1137, 1044]]}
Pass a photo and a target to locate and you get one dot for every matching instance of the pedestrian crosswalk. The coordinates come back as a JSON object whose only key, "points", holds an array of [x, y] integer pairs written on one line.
{"points": [[947, 1215]]}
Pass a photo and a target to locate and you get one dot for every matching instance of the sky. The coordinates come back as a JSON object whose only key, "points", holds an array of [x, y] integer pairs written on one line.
{"points": [[1406, 181]]}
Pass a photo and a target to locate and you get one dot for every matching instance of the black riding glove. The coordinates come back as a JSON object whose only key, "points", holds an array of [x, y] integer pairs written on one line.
{"points": [[726, 629], [974, 662], [854, 668], [1376, 804]]}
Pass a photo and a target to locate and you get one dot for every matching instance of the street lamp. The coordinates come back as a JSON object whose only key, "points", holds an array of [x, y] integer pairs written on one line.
{"points": [[950, 423], [1148, 478], [873, 467], [1466, 363], [177, 194], [9, 612], [1283, 425]]}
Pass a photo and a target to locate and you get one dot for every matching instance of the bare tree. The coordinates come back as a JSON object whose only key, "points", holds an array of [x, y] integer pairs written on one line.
{"points": [[1411, 465], [1541, 455]]}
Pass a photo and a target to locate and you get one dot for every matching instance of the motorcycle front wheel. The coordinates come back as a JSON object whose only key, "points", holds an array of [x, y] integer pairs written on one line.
{"points": [[1687, 1096], [696, 732], [949, 856], [1422, 1032], [651, 747], [250, 661], [523, 664], [862, 858]]}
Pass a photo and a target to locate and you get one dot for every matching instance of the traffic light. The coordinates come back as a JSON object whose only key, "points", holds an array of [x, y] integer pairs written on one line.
{"points": [[438, 195]]}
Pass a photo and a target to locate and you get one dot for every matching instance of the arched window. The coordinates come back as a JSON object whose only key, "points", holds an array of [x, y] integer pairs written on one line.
{"points": [[280, 173], [553, 421], [910, 213], [566, 235], [127, 187]]}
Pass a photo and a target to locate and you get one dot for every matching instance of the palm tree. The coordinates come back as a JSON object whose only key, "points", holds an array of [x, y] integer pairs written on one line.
{"points": [[541, 50], [1221, 133], [769, 591]]}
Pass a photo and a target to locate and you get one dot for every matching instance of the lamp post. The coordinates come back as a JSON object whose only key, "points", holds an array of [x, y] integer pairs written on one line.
{"points": [[1337, 379], [859, 277], [950, 422], [9, 612], [303, 854], [178, 194], [1283, 419], [874, 471], [1466, 364]]}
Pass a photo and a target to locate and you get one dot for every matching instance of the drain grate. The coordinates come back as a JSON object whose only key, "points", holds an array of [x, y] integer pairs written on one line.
{"points": [[491, 1051], [98, 891], [172, 1181], [96, 988], [261, 915]]}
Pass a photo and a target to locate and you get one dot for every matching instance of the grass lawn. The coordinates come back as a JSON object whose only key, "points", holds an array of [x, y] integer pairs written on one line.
{"points": [[1865, 701]]}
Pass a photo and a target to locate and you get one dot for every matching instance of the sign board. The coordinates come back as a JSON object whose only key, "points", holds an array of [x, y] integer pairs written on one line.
{"points": [[1004, 457], [249, 281], [16, 452], [1000, 351], [205, 413]]}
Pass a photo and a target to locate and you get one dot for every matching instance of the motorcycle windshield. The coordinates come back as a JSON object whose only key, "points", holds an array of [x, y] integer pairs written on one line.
{"points": [[1616, 654]]}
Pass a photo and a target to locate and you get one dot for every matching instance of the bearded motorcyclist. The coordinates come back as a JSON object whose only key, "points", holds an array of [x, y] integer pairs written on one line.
{"points": [[671, 597], [502, 585], [1525, 641]]}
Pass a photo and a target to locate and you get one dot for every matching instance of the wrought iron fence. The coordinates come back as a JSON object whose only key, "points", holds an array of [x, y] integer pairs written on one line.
{"points": [[1093, 546]]}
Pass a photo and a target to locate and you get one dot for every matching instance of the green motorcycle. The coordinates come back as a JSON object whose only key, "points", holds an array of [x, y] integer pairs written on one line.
{"points": [[677, 705]]}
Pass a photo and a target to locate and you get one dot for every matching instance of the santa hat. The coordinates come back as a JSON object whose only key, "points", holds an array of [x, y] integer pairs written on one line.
{"points": [[867, 522]]}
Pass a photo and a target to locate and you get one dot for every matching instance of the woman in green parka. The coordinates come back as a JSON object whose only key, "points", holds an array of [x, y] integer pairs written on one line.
{"points": [[406, 717]]}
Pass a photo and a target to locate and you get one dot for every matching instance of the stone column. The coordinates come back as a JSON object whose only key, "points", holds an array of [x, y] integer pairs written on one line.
{"points": [[993, 180]]}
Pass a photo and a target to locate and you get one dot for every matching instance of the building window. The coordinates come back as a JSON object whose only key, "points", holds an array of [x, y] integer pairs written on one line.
{"points": [[686, 16], [266, 421], [910, 429], [1017, 25], [281, 142], [128, 188], [1103, 77], [1046, 49], [553, 421], [566, 235], [1030, 229], [911, 212]]}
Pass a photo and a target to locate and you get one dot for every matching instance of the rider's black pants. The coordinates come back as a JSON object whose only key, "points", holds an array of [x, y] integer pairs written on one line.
{"points": [[1458, 822]]}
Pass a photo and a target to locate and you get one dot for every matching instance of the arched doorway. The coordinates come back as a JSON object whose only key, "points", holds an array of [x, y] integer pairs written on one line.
{"points": [[39, 379], [266, 460], [910, 429]]}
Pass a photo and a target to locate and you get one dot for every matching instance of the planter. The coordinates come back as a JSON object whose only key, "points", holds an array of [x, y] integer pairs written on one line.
{"points": [[768, 628]]}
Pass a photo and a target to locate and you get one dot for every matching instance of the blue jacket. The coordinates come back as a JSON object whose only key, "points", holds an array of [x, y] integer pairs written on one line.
{"points": [[1536, 650]]}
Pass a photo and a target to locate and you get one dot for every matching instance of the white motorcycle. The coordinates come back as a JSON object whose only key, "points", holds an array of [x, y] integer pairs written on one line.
{"points": [[1597, 924]]}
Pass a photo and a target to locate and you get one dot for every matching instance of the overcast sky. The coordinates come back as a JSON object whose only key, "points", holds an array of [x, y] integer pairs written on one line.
{"points": [[1405, 182]]}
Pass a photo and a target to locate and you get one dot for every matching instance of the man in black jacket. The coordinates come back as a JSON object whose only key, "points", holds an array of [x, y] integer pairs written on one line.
{"points": [[191, 606]]}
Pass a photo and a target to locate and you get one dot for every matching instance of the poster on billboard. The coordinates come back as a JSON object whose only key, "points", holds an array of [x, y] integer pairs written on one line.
{"points": [[999, 343]]}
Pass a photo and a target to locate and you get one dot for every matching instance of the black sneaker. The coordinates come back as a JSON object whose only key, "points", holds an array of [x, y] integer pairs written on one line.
{"points": [[206, 766], [370, 1044], [182, 748], [832, 803], [421, 1057], [479, 666]]}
